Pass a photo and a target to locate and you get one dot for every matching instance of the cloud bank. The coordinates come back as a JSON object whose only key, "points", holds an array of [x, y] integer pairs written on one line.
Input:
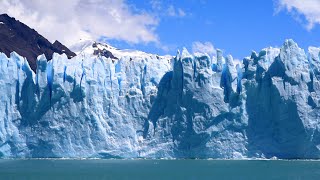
{"points": [[203, 47], [310, 9], [72, 20]]}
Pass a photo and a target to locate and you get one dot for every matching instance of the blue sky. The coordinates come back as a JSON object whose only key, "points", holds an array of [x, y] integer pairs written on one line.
{"points": [[237, 27], [164, 26]]}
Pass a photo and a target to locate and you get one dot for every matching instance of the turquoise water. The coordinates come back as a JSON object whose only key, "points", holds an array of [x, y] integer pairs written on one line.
{"points": [[158, 169]]}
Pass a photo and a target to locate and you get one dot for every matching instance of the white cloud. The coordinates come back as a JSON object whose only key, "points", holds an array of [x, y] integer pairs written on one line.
{"points": [[69, 21], [175, 12], [181, 13], [156, 4], [162, 9], [310, 9], [206, 47]]}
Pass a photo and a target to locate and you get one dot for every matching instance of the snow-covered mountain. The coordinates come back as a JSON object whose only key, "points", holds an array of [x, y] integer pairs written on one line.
{"points": [[91, 47], [107, 103]]}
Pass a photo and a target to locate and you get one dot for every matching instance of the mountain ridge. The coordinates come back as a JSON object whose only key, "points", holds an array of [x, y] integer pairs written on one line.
{"points": [[17, 36]]}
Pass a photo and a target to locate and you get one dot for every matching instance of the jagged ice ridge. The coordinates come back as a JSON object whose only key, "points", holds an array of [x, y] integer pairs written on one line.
{"points": [[188, 106]]}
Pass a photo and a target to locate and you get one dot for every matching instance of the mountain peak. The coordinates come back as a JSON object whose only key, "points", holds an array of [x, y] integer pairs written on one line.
{"points": [[5, 16], [59, 46]]}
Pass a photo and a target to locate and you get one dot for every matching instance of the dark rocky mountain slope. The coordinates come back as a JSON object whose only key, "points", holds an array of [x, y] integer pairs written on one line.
{"points": [[18, 37]]}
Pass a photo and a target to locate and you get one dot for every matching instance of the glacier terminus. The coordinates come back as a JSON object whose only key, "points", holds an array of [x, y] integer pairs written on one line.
{"points": [[110, 103]]}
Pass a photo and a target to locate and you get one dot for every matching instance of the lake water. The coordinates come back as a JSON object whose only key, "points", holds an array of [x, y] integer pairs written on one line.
{"points": [[158, 169]]}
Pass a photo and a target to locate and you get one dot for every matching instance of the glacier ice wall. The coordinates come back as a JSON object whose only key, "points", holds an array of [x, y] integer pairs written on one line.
{"points": [[185, 107]]}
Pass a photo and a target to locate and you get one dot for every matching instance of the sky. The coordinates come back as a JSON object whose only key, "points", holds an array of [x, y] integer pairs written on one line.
{"points": [[164, 26]]}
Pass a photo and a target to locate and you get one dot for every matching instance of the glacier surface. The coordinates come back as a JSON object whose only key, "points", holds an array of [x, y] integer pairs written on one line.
{"points": [[144, 105]]}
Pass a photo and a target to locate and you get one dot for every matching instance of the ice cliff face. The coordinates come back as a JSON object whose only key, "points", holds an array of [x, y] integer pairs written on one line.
{"points": [[141, 105]]}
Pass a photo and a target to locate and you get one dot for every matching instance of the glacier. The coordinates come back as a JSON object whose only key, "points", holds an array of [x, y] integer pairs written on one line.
{"points": [[141, 105]]}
